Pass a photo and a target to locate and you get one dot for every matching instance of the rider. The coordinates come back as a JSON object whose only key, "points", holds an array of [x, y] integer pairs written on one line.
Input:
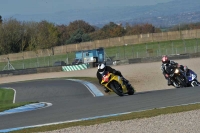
{"points": [[167, 62], [188, 71], [102, 67]]}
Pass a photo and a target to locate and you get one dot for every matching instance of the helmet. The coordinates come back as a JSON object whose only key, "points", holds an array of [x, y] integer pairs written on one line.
{"points": [[165, 59], [101, 68], [185, 68]]}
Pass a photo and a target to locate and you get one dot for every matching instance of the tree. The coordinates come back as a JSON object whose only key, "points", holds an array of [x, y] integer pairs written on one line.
{"points": [[47, 35], [29, 36], [80, 24], [11, 36], [141, 29], [110, 30], [1, 19], [78, 36], [63, 34]]}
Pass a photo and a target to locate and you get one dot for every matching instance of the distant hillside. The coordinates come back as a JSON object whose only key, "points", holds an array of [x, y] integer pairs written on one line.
{"points": [[160, 15]]}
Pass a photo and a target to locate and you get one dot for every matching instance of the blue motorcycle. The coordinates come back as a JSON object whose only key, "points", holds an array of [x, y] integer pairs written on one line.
{"points": [[192, 79]]}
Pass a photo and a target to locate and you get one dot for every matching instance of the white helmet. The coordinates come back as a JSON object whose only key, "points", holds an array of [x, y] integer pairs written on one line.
{"points": [[101, 68]]}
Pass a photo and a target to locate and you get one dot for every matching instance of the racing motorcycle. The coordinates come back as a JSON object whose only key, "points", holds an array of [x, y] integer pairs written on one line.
{"points": [[177, 76], [192, 79], [115, 84]]}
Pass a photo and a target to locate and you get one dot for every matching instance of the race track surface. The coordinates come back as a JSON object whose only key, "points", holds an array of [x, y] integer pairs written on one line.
{"points": [[72, 100]]}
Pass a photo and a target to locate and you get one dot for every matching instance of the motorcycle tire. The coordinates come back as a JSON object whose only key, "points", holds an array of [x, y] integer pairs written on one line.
{"points": [[194, 83], [182, 83], [131, 90], [116, 87]]}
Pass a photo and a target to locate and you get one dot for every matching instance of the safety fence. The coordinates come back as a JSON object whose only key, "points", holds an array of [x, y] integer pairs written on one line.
{"points": [[85, 66]]}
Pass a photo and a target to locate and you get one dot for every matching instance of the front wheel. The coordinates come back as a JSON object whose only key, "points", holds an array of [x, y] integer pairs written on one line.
{"points": [[116, 87], [181, 81], [131, 90], [194, 83]]}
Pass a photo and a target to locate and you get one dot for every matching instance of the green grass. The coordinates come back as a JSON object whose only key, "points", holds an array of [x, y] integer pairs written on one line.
{"points": [[6, 96], [154, 49], [118, 52], [131, 116], [6, 100]]}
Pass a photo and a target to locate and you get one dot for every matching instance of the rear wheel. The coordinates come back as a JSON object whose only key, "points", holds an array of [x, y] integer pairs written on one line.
{"points": [[116, 87]]}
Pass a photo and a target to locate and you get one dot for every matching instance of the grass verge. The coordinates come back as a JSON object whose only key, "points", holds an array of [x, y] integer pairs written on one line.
{"points": [[6, 100], [131, 116]]}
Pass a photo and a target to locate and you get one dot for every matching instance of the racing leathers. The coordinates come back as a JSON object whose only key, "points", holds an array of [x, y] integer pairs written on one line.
{"points": [[188, 74], [166, 75], [111, 70]]}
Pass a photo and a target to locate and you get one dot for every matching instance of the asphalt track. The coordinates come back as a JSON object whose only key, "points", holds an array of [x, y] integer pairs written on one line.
{"points": [[72, 100]]}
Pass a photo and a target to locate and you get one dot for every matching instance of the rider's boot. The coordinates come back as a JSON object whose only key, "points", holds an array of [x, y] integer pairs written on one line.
{"points": [[106, 90], [169, 82], [198, 83]]}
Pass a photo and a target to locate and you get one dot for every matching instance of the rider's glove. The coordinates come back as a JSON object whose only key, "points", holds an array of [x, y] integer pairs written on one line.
{"points": [[166, 75]]}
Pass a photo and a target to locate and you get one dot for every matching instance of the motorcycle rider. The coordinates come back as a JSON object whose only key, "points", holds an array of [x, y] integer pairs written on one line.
{"points": [[188, 72], [167, 62], [102, 67]]}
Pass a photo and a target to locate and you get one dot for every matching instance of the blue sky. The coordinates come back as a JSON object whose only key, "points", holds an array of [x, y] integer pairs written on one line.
{"points": [[11, 7]]}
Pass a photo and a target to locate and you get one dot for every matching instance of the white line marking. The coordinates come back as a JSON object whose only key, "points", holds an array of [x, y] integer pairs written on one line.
{"points": [[14, 97]]}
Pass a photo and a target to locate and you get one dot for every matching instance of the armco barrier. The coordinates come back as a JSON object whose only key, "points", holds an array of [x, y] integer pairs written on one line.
{"points": [[49, 69], [136, 60], [29, 71], [194, 55], [74, 67], [18, 72], [42, 70]]}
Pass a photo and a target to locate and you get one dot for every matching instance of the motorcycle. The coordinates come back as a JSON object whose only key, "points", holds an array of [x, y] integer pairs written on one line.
{"points": [[192, 79], [177, 76], [115, 84]]}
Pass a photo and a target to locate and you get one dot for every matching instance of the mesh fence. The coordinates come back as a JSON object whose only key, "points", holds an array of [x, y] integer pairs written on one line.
{"points": [[128, 51]]}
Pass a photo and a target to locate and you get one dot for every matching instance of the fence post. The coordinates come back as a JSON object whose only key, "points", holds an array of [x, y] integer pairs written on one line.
{"points": [[118, 52], [146, 50], [184, 46], [124, 50], [133, 51], [67, 60], [159, 51], [23, 61], [197, 45], [37, 61], [172, 47]]}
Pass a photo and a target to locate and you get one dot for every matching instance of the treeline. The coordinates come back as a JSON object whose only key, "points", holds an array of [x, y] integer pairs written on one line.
{"points": [[17, 36]]}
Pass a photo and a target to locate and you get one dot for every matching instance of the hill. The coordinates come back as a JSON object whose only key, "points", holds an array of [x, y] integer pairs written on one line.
{"points": [[161, 15]]}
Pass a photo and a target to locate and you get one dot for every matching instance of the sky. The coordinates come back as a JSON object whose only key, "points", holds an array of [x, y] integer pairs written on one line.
{"points": [[29, 7]]}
